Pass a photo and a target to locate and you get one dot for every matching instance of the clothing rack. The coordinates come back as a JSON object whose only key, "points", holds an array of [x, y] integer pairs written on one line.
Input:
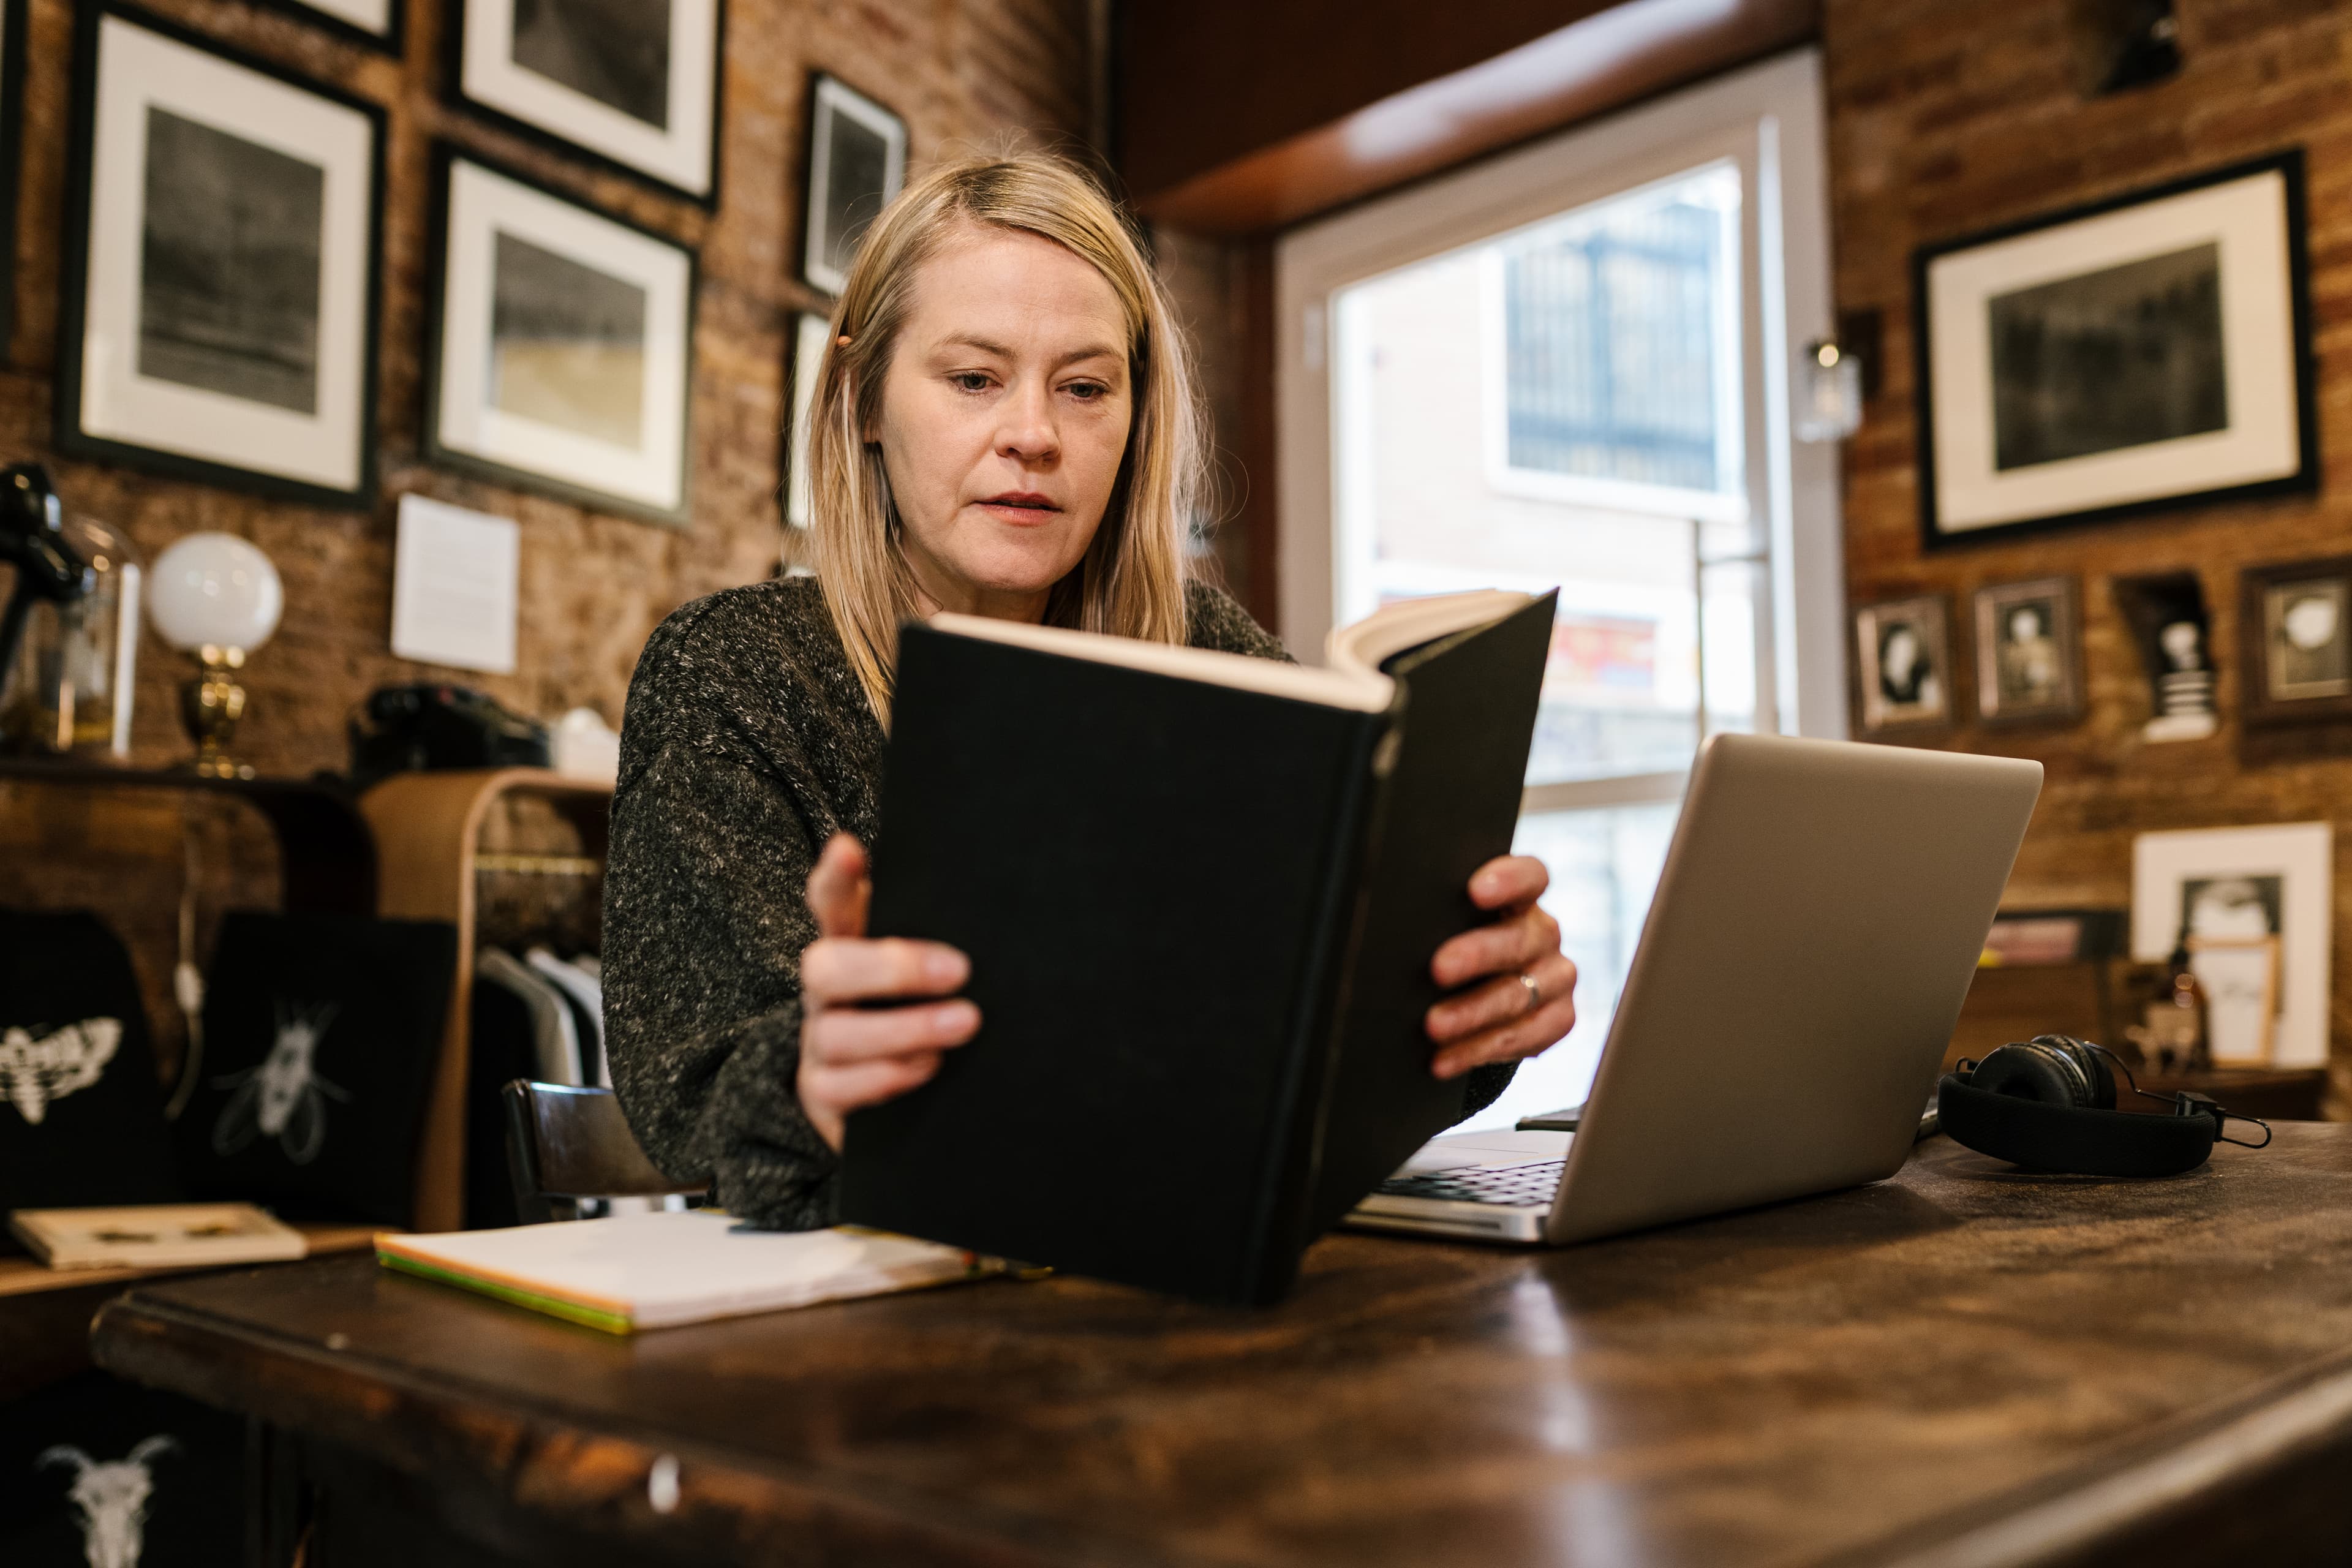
{"points": [[427, 827], [539, 865]]}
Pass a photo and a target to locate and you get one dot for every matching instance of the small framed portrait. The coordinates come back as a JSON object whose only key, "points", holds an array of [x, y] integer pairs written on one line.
{"points": [[811, 334], [564, 347], [1903, 659], [634, 82], [857, 161], [2148, 351], [2297, 623], [2254, 906], [380, 24], [219, 288], [2029, 651]]}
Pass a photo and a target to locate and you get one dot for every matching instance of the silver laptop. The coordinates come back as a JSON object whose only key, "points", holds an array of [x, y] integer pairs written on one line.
{"points": [[1814, 932]]}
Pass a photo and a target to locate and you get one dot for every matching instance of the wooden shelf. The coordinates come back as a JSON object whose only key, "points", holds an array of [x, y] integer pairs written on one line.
{"points": [[326, 858], [427, 826]]}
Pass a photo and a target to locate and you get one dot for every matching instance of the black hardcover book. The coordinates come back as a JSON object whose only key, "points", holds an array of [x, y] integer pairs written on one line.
{"points": [[1200, 894]]}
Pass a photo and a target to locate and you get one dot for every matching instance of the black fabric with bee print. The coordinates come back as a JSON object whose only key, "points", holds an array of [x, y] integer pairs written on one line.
{"points": [[322, 1033], [81, 1113]]}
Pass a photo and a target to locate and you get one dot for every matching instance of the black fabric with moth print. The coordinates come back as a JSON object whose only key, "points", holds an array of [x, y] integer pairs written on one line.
{"points": [[81, 1113]]}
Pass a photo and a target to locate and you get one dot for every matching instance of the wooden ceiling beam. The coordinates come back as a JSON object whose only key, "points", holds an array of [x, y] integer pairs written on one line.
{"points": [[1599, 62]]}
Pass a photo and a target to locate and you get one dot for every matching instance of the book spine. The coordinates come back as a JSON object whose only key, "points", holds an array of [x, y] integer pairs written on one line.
{"points": [[1287, 1185]]}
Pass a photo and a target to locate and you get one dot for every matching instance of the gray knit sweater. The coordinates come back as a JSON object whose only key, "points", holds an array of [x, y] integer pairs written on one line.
{"points": [[747, 744]]}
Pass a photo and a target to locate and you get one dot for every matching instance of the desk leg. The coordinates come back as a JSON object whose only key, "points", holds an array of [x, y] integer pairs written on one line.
{"points": [[277, 1516]]}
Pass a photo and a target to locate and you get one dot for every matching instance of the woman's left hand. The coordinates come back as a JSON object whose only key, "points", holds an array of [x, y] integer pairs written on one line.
{"points": [[1506, 1018]]}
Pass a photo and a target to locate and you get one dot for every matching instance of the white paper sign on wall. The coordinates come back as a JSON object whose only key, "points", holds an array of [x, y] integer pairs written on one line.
{"points": [[455, 580]]}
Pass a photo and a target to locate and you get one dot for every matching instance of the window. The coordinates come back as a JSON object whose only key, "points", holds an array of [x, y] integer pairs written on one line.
{"points": [[1619, 349], [1552, 371]]}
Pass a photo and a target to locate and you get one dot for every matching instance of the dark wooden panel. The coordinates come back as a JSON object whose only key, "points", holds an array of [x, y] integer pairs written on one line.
{"points": [[1965, 1347], [1203, 82], [1238, 118]]}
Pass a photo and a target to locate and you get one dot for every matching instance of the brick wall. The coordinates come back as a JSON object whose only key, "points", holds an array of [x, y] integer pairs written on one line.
{"points": [[1947, 117], [963, 73]]}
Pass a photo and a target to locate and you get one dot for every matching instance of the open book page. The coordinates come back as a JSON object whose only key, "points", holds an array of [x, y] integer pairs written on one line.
{"points": [[1362, 647], [1361, 691], [656, 1270], [1352, 678]]}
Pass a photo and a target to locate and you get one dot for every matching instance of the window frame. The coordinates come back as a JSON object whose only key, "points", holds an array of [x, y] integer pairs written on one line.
{"points": [[1767, 121]]}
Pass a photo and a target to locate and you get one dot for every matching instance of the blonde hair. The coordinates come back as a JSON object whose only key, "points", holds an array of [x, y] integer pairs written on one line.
{"points": [[1131, 581]]}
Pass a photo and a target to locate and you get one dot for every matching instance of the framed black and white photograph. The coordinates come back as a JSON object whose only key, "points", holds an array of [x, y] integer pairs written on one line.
{"points": [[381, 24], [563, 346], [2029, 651], [811, 333], [1903, 659], [2297, 623], [2255, 907], [635, 82], [219, 290], [857, 161], [2150, 350]]}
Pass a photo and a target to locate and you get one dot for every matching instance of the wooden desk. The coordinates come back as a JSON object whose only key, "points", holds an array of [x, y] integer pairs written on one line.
{"points": [[44, 1312], [1961, 1366]]}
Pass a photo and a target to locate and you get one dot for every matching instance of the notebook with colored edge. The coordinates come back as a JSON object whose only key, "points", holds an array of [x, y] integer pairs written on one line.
{"points": [[629, 1272]]}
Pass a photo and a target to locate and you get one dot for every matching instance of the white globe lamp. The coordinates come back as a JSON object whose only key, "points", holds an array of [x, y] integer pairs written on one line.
{"points": [[216, 597]]}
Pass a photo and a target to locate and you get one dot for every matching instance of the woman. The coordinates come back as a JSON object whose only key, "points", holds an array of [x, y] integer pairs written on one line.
{"points": [[1004, 426]]}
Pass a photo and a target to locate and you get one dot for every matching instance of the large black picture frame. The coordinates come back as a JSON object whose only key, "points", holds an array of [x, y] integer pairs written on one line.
{"points": [[393, 40], [571, 140], [447, 156], [1937, 530], [74, 303]]}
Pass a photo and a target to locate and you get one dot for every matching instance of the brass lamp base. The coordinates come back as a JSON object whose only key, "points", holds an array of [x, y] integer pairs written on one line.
{"points": [[210, 706]]}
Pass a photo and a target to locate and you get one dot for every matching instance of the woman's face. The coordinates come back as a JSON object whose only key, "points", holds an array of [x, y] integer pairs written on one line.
{"points": [[1005, 416]]}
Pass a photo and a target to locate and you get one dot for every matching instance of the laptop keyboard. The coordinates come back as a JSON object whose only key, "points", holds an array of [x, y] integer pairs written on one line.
{"points": [[1514, 1186]]}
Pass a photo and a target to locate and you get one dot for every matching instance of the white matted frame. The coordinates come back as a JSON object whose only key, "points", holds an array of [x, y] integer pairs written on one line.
{"points": [[464, 427], [2301, 857], [681, 152], [1766, 120], [2253, 214], [834, 103], [128, 64]]}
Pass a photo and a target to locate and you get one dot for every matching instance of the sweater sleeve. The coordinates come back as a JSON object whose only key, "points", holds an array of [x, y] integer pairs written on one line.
{"points": [[705, 916]]}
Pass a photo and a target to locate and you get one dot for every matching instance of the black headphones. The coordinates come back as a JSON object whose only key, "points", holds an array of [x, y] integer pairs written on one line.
{"points": [[2050, 1105]]}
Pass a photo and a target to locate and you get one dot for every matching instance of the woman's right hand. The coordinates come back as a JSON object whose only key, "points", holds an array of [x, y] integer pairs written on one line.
{"points": [[857, 1046]]}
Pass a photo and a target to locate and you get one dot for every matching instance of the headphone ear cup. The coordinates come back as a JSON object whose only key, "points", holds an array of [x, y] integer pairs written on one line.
{"points": [[2028, 1072], [2095, 1071]]}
